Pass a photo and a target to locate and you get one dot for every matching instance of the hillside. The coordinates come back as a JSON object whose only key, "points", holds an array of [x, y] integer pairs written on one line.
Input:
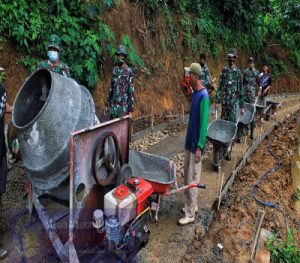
{"points": [[166, 38]]}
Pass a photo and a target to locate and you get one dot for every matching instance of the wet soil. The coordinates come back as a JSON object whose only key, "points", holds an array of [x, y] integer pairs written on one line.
{"points": [[234, 224]]}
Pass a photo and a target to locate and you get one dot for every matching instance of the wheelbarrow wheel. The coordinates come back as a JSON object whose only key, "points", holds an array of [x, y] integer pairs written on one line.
{"points": [[216, 157], [228, 153], [228, 156]]}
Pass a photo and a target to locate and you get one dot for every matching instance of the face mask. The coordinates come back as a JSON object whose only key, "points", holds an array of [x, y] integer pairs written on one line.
{"points": [[2, 77], [230, 62], [53, 56], [120, 62]]}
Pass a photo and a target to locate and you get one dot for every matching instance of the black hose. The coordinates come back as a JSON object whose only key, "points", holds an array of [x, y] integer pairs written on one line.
{"points": [[255, 185]]}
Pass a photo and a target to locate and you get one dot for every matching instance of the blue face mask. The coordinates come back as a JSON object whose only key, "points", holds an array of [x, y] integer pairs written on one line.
{"points": [[53, 56]]}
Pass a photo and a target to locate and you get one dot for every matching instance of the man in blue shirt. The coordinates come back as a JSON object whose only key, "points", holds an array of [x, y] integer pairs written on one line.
{"points": [[264, 84], [195, 142]]}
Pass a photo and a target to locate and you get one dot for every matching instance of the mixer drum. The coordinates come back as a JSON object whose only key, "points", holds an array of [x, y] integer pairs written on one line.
{"points": [[46, 110]]}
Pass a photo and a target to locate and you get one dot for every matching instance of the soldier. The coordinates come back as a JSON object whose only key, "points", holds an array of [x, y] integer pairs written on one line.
{"points": [[53, 63], [120, 99], [206, 79], [230, 90], [250, 82]]}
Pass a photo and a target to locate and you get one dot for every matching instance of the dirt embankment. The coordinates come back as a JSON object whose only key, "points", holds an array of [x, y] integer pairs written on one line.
{"points": [[158, 86], [235, 223]]}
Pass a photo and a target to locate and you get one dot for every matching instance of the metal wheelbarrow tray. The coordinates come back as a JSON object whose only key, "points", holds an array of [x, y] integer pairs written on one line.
{"points": [[273, 104], [158, 170], [221, 132], [262, 109], [247, 117]]}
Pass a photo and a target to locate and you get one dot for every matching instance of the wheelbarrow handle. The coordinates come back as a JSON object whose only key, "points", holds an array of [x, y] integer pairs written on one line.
{"points": [[185, 187], [201, 186]]}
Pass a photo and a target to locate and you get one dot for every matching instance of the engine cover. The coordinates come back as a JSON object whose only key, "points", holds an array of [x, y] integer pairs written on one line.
{"points": [[142, 190]]}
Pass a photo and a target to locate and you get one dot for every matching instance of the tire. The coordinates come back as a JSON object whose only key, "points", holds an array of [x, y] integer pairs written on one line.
{"points": [[216, 157], [252, 130], [228, 154], [240, 132]]}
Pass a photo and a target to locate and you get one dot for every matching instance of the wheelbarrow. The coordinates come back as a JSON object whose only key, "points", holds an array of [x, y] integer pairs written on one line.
{"points": [[160, 172], [221, 134], [245, 120], [261, 111], [272, 107]]}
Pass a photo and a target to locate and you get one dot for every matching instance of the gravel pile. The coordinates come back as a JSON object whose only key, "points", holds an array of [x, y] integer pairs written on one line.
{"points": [[15, 188], [156, 137]]}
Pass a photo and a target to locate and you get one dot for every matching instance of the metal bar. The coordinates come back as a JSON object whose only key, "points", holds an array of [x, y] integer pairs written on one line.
{"points": [[60, 216], [51, 230], [73, 257], [183, 188]]}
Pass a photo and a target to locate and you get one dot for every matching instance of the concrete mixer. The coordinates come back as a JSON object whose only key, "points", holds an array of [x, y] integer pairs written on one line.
{"points": [[79, 179]]}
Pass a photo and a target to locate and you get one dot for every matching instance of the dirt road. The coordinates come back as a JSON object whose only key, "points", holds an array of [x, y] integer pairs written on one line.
{"points": [[170, 242]]}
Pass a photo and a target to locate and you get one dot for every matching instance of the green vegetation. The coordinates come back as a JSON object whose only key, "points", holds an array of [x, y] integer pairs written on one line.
{"points": [[283, 251], [297, 194], [86, 39], [204, 25], [239, 23]]}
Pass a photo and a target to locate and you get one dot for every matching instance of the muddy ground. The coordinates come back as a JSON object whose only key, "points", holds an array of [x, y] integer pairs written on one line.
{"points": [[234, 224]]}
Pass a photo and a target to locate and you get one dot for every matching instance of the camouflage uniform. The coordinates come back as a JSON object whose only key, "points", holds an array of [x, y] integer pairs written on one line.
{"points": [[250, 80], [62, 69], [230, 92], [205, 76], [207, 81], [120, 97]]}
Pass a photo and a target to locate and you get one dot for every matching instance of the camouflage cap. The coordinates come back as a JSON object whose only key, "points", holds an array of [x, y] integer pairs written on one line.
{"points": [[195, 68], [251, 59], [54, 41], [232, 53], [121, 50]]}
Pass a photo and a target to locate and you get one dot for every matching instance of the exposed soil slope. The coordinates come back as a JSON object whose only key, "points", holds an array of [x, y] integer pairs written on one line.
{"points": [[235, 223]]}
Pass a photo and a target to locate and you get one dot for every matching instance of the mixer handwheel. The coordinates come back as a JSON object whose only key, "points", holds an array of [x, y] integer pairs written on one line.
{"points": [[106, 159]]}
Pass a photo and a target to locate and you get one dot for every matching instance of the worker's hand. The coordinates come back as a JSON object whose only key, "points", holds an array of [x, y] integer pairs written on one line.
{"points": [[130, 114], [259, 92], [264, 93], [105, 110], [242, 111], [216, 106], [197, 155]]}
